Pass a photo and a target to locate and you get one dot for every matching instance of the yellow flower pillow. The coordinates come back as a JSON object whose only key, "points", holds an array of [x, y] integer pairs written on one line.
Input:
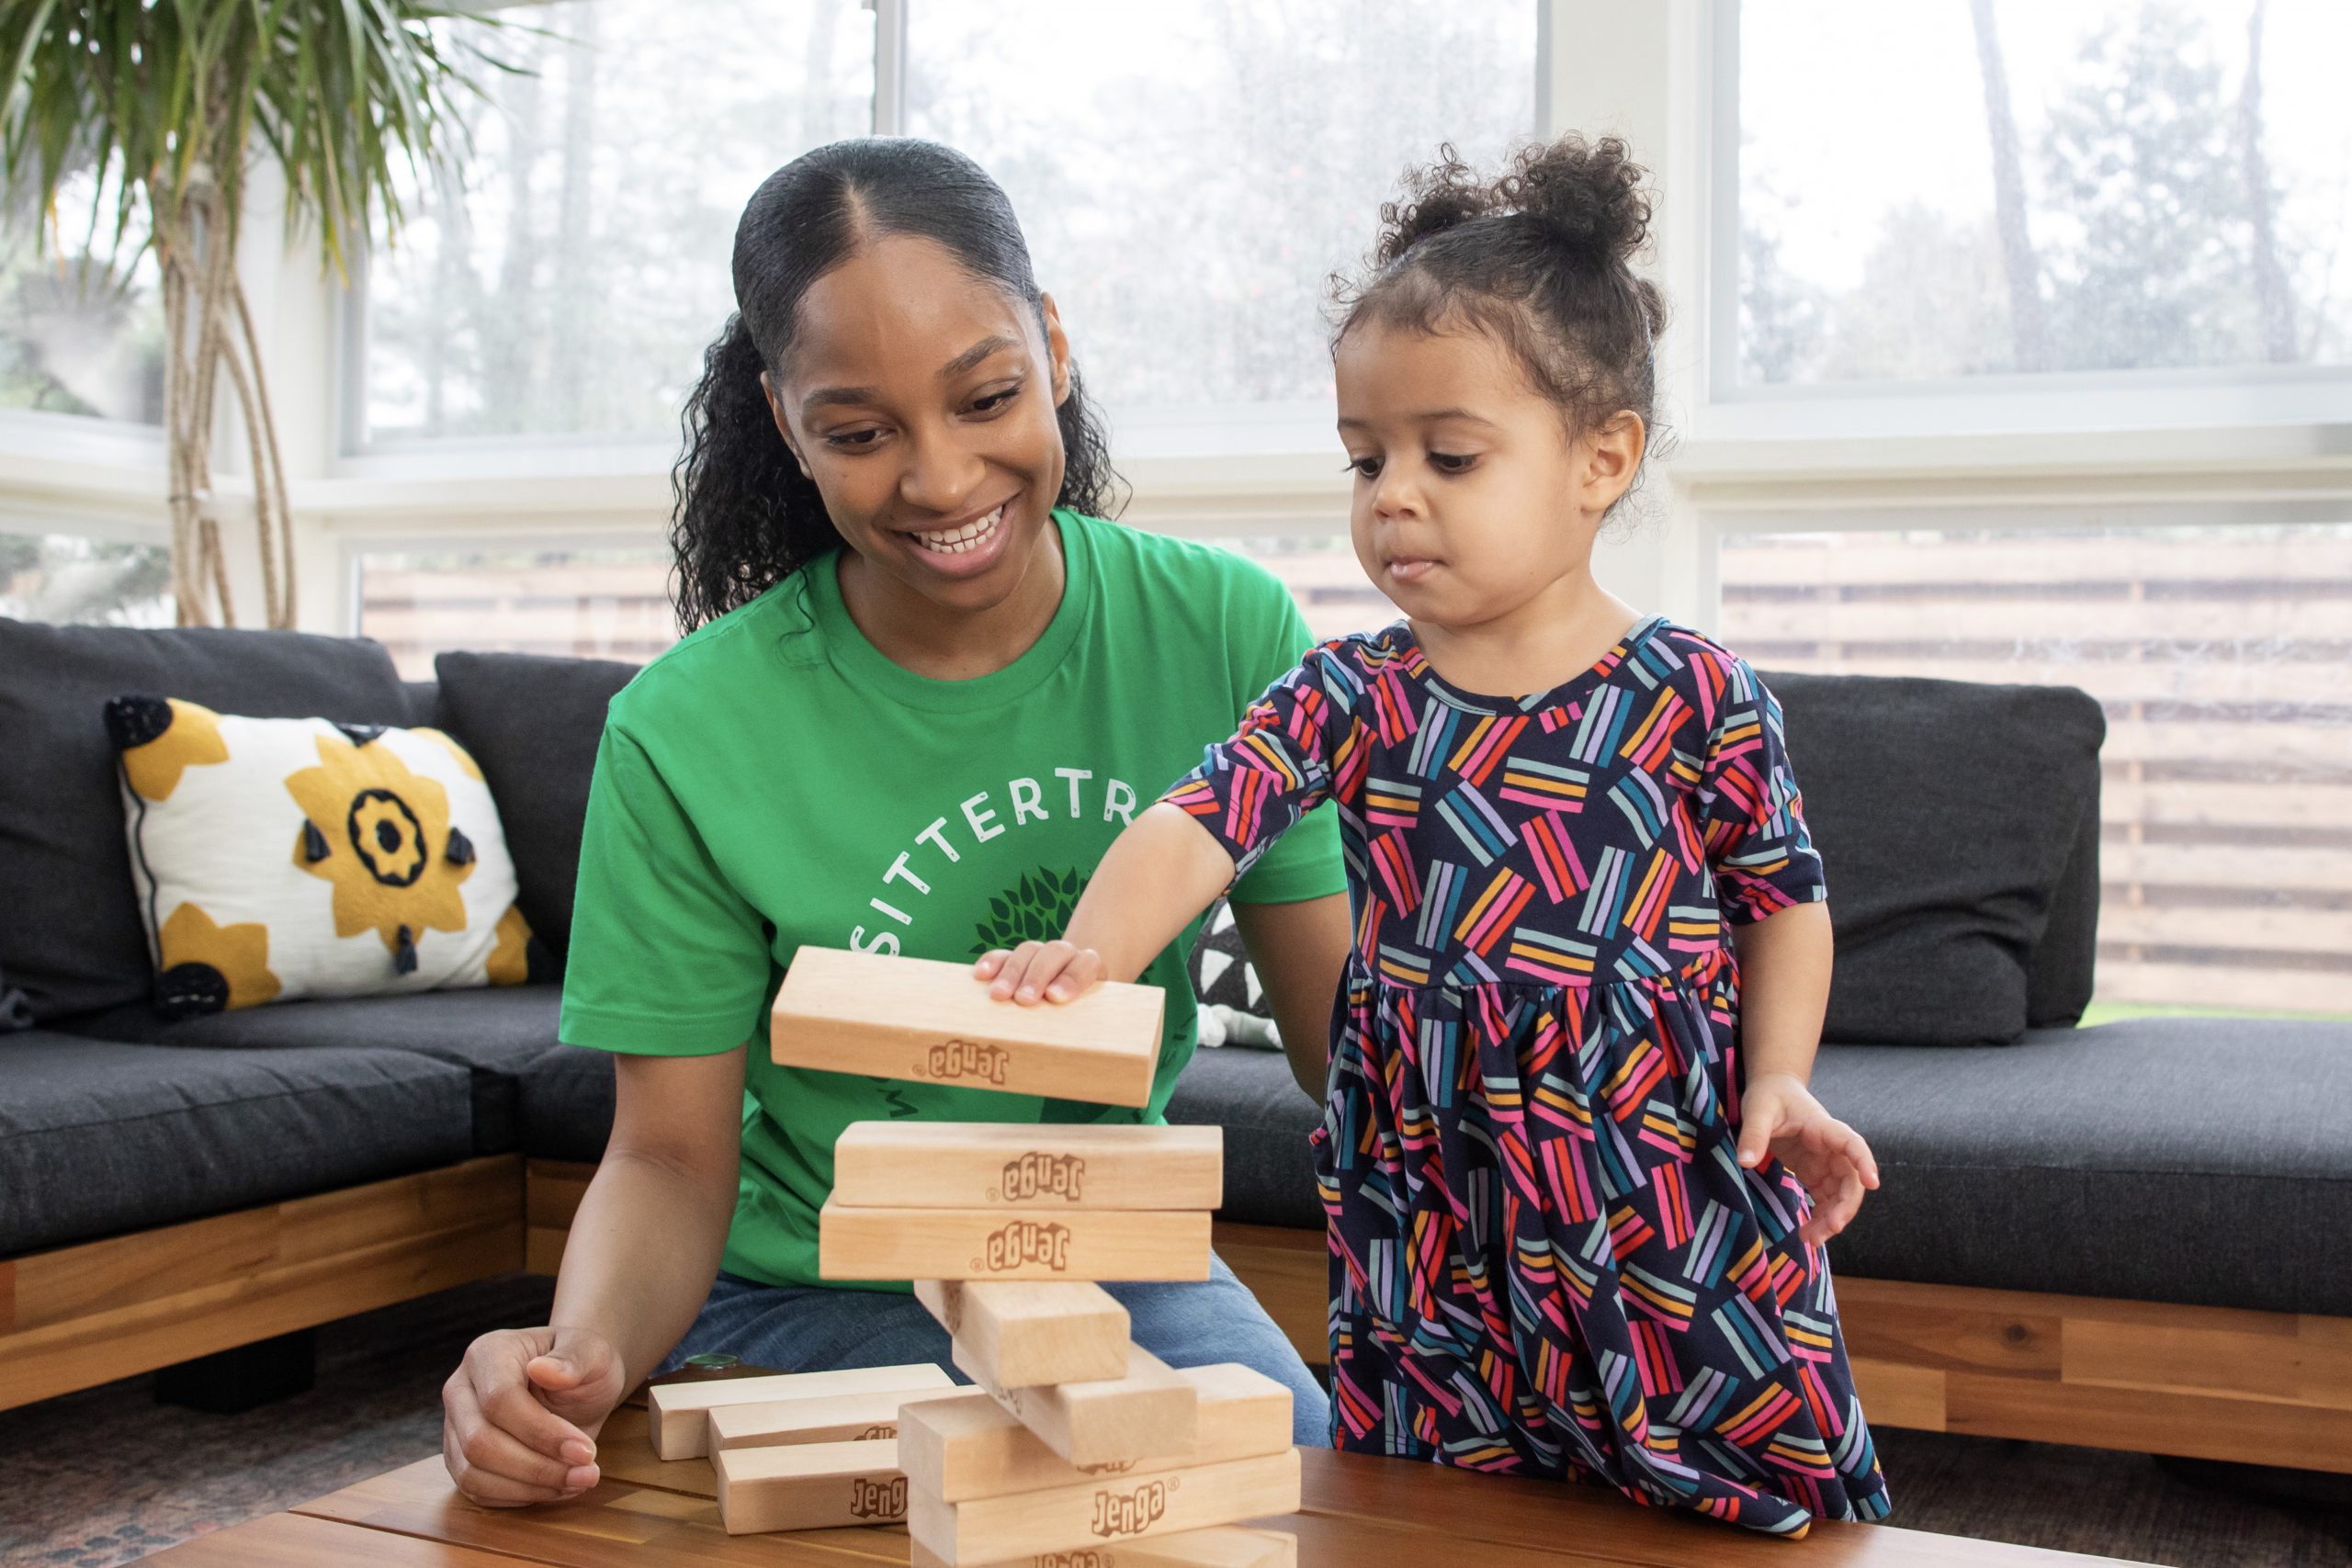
{"points": [[281, 858]]}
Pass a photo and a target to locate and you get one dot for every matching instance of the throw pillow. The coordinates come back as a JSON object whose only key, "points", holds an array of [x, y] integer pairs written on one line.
{"points": [[278, 858], [1233, 1004]]}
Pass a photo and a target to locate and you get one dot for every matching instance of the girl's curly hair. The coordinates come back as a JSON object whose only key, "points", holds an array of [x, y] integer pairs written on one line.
{"points": [[745, 516], [1540, 258]]}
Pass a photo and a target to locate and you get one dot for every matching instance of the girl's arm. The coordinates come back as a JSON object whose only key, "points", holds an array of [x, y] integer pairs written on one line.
{"points": [[1785, 962], [1157, 877], [1299, 950]]}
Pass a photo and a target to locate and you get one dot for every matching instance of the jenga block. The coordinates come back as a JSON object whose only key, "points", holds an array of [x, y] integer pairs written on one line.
{"points": [[978, 1164], [678, 1414], [1104, 1511], [1149, 1414], [1014, 1333], [989, 1243], [966, 1445], [807, 1486], [892, 1017], [1220, 1546], [837, 1419]]}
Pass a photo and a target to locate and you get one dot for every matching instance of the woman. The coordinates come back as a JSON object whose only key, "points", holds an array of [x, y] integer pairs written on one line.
{"points": [[925, 686]]}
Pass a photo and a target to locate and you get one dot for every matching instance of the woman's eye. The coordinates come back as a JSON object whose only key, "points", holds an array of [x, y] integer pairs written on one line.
{"points": [[1451, 462], [852, 440], [991, 402]]}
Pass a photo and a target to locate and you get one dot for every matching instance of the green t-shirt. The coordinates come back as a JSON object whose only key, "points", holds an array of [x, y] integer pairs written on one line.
{"points": [[775, 779]]}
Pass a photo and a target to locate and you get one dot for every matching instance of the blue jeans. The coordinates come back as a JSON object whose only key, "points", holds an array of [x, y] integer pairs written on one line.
{"points": [[815, 1328]]}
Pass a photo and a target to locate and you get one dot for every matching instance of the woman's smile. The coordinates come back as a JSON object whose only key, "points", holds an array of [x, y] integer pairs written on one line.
{"points": [[965, 547]]}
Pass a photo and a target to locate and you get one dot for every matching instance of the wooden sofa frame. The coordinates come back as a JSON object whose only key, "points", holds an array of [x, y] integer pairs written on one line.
{"points": [[2201, 1382]]}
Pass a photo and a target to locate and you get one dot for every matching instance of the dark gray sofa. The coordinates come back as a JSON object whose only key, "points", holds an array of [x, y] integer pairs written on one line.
{"points": [[2196, 1161]]}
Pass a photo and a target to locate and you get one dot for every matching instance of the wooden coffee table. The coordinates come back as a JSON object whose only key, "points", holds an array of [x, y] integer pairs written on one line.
{"points": [[648, 1513]]}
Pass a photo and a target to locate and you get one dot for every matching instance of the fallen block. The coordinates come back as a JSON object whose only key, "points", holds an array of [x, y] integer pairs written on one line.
{"points": [[989, 1243], [1149, 1412], [1220, 1546], [977, 1165], [892, 1017], [966, 1445], [1014, 1333], [677, 1416], [1107, 1512], [807, 1486], [835, 1418]]}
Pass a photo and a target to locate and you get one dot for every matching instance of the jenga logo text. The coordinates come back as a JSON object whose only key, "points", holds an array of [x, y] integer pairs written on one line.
{"points": [[879, 1429], [1109, 1467], [963, 1059], [1129, 1513], [1084, 1557], [1025, 1242], [872, 1499], [1040, 1175]]}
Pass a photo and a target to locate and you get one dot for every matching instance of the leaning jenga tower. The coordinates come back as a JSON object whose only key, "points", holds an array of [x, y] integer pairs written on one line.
{"points": [[1080, 1440]]}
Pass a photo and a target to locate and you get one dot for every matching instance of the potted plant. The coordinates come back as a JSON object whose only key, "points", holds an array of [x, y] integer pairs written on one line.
{"points": [[171, 103]]}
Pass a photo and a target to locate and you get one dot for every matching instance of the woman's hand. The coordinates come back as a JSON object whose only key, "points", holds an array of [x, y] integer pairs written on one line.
{"points": [[1780, 1116], [521, 1414], [1053, 971]]}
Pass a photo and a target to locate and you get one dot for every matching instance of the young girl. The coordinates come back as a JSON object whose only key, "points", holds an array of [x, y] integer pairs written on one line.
{"points": [[1577, 1186]]}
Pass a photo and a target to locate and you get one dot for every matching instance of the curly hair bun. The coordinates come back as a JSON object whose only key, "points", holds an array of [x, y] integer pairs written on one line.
{"points": [[1588, 194], [1439, 197]]}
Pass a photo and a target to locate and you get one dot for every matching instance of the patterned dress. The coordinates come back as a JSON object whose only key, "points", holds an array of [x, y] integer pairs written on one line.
{"points": [[1546, 1258]]}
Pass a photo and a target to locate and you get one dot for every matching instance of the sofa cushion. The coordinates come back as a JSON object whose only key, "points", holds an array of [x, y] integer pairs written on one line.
{"points": [[398, 879], [492, 1034], [534, 723], [97, 1137], [1269, 1169], [565, 1105], [1946, 813], [72, 941], [2198, 1160]]}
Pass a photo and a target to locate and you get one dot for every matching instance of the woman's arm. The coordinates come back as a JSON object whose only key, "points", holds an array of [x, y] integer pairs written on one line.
{"points": [[522, 1411], [1785, 962], [1299, 950]]}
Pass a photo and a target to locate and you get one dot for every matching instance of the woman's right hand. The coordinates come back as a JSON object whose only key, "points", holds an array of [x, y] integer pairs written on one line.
{"points": [[1053, 971], [521, 1414]]}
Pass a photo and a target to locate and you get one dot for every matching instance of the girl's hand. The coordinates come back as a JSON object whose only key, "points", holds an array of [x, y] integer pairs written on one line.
{"points": [[1781, 1116], [521, 1414], [1055, 971]]}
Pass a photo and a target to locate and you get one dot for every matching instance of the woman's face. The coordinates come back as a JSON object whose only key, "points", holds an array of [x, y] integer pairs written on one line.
{"points": [[921, 399]]}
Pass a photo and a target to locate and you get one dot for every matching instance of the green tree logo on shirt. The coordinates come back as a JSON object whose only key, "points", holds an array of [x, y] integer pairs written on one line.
{"points": [[1038, 909]]}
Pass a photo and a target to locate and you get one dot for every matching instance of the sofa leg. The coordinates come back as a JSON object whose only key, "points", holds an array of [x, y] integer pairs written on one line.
{"points": [[249, 1376]]}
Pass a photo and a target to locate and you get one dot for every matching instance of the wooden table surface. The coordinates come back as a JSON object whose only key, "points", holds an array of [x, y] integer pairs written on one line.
{"points": [[650, 1514]]}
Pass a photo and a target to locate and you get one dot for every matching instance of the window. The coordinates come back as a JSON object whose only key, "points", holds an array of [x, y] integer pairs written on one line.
{"points": [[81, 332], [1189, 176], [589, 603], [1323, 575], [2039, 185], [570, 287], [2221, 656], [66, 578]]}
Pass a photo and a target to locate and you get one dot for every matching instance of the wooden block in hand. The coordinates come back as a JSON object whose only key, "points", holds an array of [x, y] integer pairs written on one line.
{"points": [[807, 1486], [678, 1414], [1149, 1414], [835, 1418], [966, 1445], [981, 1165], [1107, 1511], [1219, 1546], [1013, 1333], [893, 1017], [991, 1243]]}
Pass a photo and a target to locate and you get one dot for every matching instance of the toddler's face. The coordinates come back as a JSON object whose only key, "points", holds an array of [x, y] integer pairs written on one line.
{"points": [[1471, 495]]}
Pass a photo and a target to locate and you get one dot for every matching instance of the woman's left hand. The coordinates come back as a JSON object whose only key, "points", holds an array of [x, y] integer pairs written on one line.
{"points": [[1780, 1116]]}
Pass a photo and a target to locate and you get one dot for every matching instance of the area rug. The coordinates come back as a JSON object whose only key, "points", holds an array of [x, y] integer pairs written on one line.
{"points": [[108, 1476]]}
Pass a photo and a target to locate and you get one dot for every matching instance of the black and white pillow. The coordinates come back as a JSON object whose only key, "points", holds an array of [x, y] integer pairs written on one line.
{"points": [[1233, 1004]]}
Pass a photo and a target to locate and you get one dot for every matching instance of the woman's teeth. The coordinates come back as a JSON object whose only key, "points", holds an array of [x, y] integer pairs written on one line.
{"points": [[958, 541]]}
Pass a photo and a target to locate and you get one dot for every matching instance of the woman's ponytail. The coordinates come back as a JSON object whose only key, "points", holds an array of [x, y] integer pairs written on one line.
{"points": [[745, 516]]}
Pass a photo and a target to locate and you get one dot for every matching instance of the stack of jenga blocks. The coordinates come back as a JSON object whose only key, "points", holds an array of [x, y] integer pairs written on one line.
{"points": [[1081, 1447]]}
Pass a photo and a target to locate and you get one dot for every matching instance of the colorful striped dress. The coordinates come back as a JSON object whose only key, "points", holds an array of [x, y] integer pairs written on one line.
{"points": [[1546, 1258]]}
